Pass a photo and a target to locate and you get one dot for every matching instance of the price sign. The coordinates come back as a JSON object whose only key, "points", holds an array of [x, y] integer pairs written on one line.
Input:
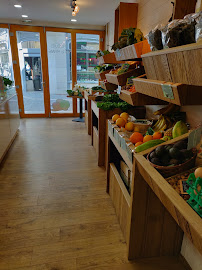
{"points": [[119, 90], [194, 138], [167, 91], [118, 53]]}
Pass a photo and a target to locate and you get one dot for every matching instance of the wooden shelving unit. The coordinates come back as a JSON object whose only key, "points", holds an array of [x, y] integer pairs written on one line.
{"points": [[99, 119], [177, 93], [154, 217]]}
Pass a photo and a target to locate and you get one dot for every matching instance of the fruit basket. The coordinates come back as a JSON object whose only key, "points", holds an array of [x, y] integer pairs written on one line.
{"points": [[172, 159], [101, 75]]}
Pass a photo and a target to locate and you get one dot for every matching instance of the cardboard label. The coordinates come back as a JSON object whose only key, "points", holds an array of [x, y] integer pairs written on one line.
{"points": [[194, 138], [118, 53], [167, 91]]}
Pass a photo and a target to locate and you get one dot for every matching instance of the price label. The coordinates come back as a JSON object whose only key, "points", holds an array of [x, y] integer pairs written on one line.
{"points": [[119, 90], [167, 91], [118, 53]]}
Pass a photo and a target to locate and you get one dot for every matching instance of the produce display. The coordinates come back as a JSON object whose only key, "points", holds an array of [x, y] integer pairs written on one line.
{"points": [[176, 33], [128, 37], [101, 53], [77, 91], [130, 88], [112, 101], [103, 68], [124, 68]]}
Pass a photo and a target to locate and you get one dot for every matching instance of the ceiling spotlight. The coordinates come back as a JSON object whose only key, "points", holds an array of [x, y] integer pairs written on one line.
{"points": [[24, 16], [73, 13], [17, 6], [76, 9], [73, 20]]}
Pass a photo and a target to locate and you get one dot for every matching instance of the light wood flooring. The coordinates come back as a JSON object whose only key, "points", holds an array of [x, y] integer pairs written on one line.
{"points": [[54, 211]]}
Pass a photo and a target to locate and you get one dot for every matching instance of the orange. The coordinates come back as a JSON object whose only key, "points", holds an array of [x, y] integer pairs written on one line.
{"points": [[136, 137], [138, 143], [125, 116], [147, 138], [120, 122], [123, 129], [115, 117], [129, 126], [157, 135]]}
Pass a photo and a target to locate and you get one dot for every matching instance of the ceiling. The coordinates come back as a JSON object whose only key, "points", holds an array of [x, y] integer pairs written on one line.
{"points": [[96, 13]]}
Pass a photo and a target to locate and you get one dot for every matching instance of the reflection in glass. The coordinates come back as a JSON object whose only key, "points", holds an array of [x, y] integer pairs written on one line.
{"points": [[59, 68], [29, 52], [87, 46]]}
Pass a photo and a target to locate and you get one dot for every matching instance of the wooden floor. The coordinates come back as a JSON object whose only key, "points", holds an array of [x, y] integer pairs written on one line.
{"points": [[54, 211]]}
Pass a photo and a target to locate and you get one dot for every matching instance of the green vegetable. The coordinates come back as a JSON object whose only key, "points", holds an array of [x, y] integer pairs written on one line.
{"points": [[148, 145], [112, 101], [7, 81]]}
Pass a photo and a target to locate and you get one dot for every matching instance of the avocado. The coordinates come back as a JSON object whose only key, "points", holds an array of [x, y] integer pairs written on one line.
{"points": [[160, 151], [165, 160], [156, 161], [186, 153], [174, 153], [180, 145], [174, 162], [168, 147], [152, 155]]}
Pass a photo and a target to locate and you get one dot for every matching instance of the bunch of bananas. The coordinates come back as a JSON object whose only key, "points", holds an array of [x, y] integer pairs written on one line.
{"points": [[162, 124], [167, 110]]}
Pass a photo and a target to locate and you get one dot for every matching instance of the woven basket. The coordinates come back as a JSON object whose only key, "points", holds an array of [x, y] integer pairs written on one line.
{"points": [[167, 171]]}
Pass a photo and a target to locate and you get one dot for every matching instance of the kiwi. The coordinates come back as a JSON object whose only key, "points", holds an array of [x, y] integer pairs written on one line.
{"points": [[174, 153]]}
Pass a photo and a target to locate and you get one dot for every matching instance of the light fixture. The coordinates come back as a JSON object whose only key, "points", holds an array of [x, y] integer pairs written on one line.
{"points": [[24, 16], [76, 9], [17, 6], [73, 20]]}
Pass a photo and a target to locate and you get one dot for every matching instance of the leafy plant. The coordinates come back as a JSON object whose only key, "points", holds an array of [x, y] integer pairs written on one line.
{"points": [[112, 101], [7, 81]]}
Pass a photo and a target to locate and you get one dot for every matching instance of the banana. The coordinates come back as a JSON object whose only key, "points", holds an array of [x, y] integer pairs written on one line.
{"points": [[158, 123], [166, 110], [163, 128], [162, 124]]}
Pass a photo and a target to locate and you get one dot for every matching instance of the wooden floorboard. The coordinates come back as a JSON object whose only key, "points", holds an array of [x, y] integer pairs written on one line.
{"points": [[54, 211]]}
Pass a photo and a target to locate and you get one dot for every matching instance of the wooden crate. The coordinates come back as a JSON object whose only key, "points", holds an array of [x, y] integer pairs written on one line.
{"points": [[120, 198], [122, 79], [133, 51], [108, 59], [108, 86], [178, 65], [101, 75], [137, 99], [182, 94]]}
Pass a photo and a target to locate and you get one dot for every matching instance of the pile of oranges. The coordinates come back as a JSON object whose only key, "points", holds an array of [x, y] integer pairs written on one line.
{"points": [[122, 122], [138, 139]]}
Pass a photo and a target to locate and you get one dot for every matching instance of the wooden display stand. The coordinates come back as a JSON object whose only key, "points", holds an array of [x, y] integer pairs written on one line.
{"points": [[99, 119], [153, 217]]}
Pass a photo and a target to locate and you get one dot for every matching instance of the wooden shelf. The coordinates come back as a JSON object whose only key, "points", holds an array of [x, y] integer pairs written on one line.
{"points": [[138, 99], [182, 94], [108, 59], [133, 52], [122, 79], [101, 75], [188, 220], [108, 86], [178, 65]]}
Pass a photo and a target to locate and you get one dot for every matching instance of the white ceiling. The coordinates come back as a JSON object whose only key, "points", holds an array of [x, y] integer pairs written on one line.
{"points": [[58, 12]]}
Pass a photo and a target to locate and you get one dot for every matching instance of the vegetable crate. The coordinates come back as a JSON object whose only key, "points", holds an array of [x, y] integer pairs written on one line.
{"points": [[101, 75], [178, 65], [133, 51]]}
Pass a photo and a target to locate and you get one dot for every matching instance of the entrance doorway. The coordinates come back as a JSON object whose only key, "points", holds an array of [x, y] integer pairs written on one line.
{"points": [[47, 62]]}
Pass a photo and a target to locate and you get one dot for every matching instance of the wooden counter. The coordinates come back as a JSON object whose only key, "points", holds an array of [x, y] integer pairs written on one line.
{"points": [[9, 122]]}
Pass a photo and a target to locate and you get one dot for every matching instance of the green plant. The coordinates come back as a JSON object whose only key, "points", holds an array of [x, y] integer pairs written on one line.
{"points": [[7, 81]]}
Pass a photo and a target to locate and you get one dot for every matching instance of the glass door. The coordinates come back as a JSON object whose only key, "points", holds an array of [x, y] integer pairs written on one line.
{"points": [[30, 60], [60, 72]]}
